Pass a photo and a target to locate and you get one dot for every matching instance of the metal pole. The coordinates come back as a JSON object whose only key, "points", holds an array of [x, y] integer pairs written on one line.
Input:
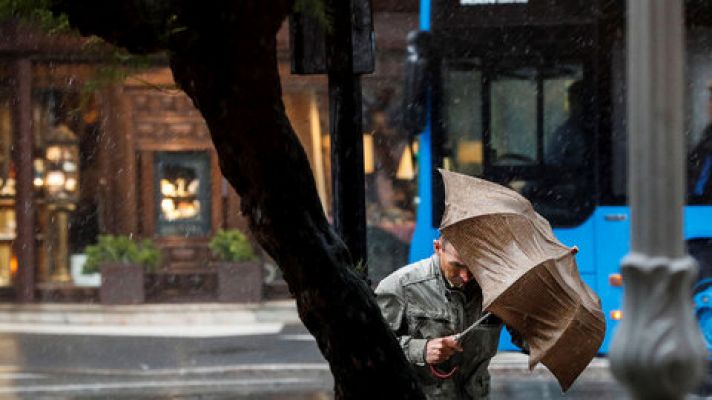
{"points": [[22, 156], [60, 256], [349, 207], [657, 351]]}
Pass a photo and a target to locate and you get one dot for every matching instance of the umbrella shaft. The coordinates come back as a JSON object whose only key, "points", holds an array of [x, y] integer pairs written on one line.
{"points": [[473, 326]]}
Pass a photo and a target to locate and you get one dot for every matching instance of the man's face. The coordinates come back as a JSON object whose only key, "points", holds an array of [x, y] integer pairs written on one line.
{"points": [[454, 269]]}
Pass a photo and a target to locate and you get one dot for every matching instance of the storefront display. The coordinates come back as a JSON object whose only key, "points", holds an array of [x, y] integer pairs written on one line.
{"points": [[183, 193]]}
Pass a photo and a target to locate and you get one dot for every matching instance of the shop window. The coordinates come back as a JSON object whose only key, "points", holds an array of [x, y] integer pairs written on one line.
{"points": [[182, 185], [389, 170]]}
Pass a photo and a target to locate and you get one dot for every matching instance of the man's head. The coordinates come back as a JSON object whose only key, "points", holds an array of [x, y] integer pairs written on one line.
{"points": [[454, 269]]}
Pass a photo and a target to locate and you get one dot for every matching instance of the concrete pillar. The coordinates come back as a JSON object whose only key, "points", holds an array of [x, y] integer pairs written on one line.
{"points": [[657, 351]]}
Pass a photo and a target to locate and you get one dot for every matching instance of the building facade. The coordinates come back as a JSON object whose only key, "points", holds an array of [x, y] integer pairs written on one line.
{"points": [[132, 156]]}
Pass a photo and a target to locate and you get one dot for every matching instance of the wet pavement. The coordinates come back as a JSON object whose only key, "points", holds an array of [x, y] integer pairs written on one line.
{"points": [[546, 388], [292, 345], [230, 385], [280, 366], [265, 385], [286, 385]]}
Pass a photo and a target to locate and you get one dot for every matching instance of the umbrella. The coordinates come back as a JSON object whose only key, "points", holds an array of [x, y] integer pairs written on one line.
{"points": [[528, 278]]}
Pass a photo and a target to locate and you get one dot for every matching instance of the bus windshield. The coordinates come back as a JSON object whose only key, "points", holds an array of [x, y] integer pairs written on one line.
{"points": [[524, 126]]}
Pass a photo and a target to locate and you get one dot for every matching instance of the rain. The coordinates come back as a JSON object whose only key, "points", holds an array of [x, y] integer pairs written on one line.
{"points": [[211, 201]]}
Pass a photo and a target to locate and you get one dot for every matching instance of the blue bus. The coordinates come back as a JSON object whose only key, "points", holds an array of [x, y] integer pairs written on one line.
{"points": [[531, 94]]}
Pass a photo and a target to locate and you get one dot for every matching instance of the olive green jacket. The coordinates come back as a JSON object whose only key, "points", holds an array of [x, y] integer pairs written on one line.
{"points": [[418, 305]]}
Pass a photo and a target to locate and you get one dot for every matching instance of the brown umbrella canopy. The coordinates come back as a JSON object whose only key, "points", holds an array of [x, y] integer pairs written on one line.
{"points": [[528, 278]]}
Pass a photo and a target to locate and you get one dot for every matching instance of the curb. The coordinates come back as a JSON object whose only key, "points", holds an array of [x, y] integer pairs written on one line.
{"points": [[206, 314]]}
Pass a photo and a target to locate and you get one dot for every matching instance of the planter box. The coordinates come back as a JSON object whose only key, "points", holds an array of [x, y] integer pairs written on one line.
{"points": [[195, 285], [240, 282], [122, 284]]}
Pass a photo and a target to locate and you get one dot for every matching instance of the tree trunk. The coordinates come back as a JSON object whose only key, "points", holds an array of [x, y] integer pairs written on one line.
{"points": [[224, 57]]}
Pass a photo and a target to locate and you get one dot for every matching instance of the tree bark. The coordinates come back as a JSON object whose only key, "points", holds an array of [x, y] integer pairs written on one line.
{"points": [[223, 55]]}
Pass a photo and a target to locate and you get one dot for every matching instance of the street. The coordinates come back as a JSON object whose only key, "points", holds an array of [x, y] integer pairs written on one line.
{"points": [[270, 366], [285, 365]]}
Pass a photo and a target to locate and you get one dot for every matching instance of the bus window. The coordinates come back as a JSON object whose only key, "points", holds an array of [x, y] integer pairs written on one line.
{"points": [[463, 118], [699, 167], [514, 119], [524, 126], [541, 142], [699, 116]]}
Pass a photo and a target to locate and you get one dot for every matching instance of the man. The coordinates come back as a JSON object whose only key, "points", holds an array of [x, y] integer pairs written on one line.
{"points": [[425, 304], [570, 144], [564, 189]]}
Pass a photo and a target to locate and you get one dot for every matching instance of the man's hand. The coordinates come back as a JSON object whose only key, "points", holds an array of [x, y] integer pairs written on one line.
{"points": [[441, 349]]}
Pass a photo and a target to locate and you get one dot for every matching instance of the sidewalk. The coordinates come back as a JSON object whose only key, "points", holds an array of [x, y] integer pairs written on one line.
{"points": [[159, 320]]}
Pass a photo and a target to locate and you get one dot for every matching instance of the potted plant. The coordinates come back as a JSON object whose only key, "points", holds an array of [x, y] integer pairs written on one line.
{"points": [[122, 263], [240, 277]]}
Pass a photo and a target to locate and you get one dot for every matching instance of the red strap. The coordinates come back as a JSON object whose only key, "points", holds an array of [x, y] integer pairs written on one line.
{"points": [[442, 375]]}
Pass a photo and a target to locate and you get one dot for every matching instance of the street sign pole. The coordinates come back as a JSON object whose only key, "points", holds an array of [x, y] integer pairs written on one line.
{"points": [[349, 208], [341, 45]]}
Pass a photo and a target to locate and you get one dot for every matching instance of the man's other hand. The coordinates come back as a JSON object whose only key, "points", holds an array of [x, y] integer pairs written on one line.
{"points": [[441, 349]]}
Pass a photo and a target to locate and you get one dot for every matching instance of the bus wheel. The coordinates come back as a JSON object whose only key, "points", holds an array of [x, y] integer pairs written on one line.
{"points": [[701, 250]]}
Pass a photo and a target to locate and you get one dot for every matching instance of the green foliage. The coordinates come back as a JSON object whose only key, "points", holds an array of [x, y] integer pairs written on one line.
{"points": [[316, 9], [119, 66], [35, 12], [121, 249], [118, 63], [360, 268], [231, 246]]}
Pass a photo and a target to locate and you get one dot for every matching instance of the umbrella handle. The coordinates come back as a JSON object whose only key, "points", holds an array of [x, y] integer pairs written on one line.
{"points": [[442, 375]]}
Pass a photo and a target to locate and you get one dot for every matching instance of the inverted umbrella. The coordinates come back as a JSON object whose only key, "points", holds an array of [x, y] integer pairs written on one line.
{"points": [[528, 278]]}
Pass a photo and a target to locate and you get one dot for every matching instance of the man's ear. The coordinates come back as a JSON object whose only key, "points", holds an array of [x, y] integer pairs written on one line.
{"points": [[437, 245]]}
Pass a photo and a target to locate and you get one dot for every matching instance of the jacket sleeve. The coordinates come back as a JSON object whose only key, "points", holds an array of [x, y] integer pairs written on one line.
{"points": [[389, 296]]}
